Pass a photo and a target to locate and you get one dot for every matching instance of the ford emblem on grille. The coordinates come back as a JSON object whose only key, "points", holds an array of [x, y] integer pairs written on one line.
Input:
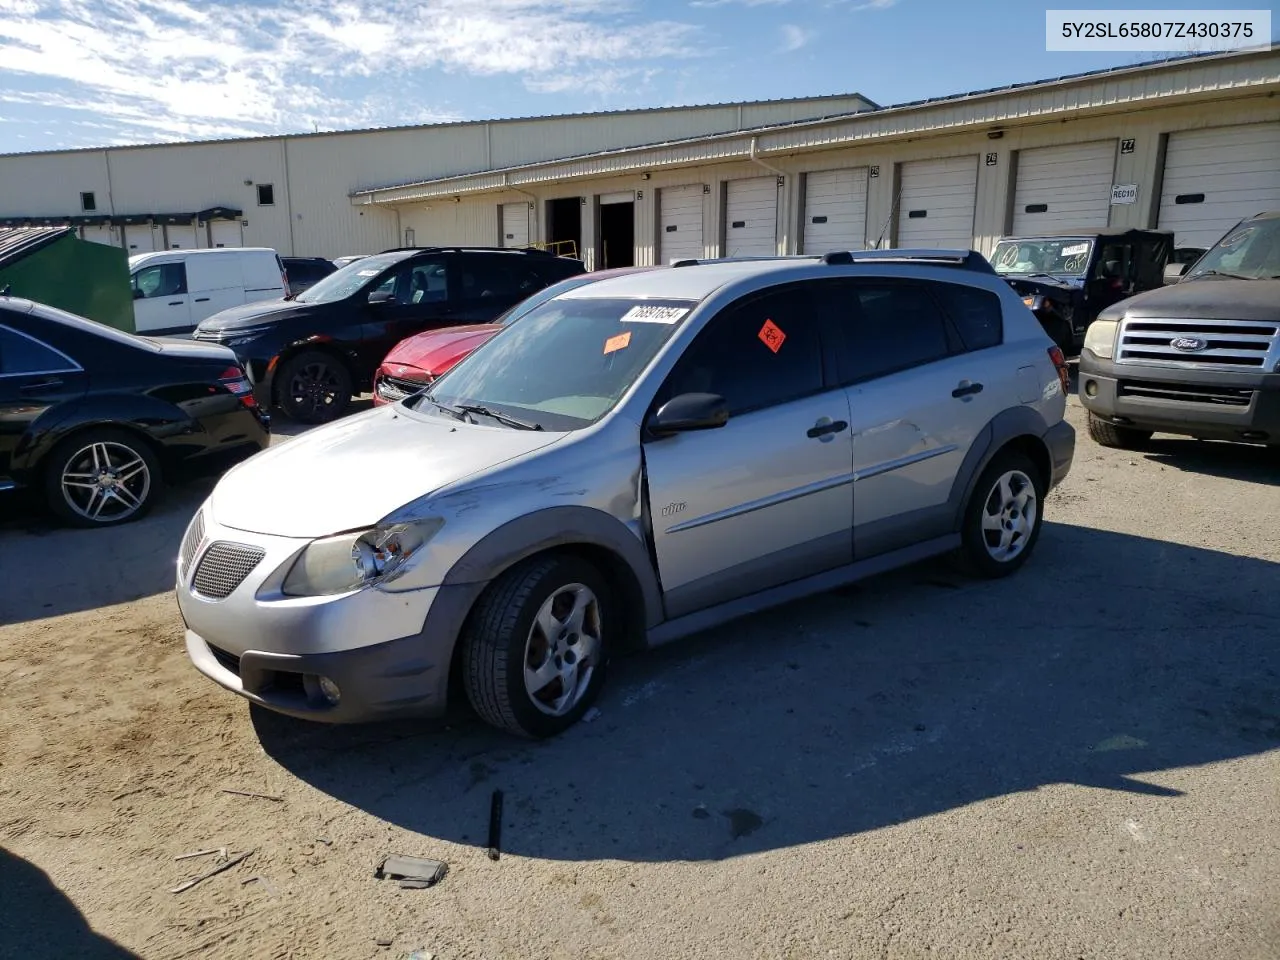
{"points": [[1189, 344]]}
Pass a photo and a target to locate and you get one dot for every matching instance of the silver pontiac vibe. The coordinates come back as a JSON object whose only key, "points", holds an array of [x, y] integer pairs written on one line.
{"points": [[632, 461]]}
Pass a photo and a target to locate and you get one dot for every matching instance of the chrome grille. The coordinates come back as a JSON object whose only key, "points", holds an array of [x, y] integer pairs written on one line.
{"points": [[1244, 344], [396, 388], [224, 567], [191, 543], [1186, 392]]}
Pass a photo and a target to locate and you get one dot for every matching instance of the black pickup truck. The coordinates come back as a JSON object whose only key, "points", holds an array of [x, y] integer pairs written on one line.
{"points": [[1067, 279]]}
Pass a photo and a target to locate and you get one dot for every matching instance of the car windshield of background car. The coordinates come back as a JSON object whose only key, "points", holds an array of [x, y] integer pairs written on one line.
{"points": [[566, 363], [1067, 256], [527, 305], [343, 283], [1250, 252]]}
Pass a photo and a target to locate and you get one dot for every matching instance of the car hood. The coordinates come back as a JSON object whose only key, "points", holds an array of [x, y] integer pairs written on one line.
{"points": [[435, 351], [251, 315], [1206, 299], [350, 474]]}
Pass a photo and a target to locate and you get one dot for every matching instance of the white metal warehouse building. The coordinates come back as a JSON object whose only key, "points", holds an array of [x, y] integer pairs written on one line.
{"points": [[1190, 145]]}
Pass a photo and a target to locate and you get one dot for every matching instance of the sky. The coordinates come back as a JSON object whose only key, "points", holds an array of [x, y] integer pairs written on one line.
{"points": [[81, 73]]}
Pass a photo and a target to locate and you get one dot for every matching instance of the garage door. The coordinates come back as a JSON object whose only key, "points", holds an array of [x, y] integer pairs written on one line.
{"points": [[103, 234], [139, 238], [680, 223], [180, 236], [835, 210], [515, 224], [1064, 188], [936, 203], [751, 217], [225, 233], [1214, 178]]}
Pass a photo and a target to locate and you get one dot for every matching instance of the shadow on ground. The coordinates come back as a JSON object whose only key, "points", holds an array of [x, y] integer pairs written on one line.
{"points": [[1108, 659], [1233, 461], [38, 922]]}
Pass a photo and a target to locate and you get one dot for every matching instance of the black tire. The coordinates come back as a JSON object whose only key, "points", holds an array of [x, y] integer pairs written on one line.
{"points": [[498, 636], [1121, 438], [1061, 334], [92, 479], [976, 554], [313, 387]]}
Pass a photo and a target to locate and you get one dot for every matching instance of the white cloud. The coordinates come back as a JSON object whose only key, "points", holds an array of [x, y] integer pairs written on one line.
{"points": [[168, 69], [793, 37], [874, 5]]}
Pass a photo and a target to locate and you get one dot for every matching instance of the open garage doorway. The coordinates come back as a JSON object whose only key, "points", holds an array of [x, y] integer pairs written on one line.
{"points": [[617, 244], [564, 226]]}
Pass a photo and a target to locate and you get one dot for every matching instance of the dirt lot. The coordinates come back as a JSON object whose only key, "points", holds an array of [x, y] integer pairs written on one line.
{"points": [[1081, 761]]}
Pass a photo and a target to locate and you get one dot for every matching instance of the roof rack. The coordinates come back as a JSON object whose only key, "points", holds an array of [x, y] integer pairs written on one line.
{"points": [[963, 259], [438, 249], [695, 261]]}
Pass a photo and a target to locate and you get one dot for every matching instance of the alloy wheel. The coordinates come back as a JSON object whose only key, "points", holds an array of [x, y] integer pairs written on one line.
{"points": [[1009, 515], [563, 649], [105, 482]]}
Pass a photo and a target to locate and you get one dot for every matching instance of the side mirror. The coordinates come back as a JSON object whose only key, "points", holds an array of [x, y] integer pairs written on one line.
{"points": [[690, 411], [1173, 272], [381, 296]]}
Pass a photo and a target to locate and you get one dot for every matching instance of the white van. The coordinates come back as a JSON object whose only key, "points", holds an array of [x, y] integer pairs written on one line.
{"points": [[173, 290]]}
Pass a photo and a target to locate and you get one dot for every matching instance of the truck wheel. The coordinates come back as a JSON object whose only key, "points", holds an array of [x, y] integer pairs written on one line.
{"points": [[1121, 438], [1003, 517], [534, 649], [313, 387]]}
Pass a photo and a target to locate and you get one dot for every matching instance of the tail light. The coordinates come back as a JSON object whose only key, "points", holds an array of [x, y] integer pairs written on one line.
{"points": [[235, 380], [1060, 364]]}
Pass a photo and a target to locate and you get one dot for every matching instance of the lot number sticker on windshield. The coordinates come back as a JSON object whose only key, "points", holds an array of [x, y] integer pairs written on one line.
{"points": [[654, 314], [772, 335], [1075, 249], [619, 342]]}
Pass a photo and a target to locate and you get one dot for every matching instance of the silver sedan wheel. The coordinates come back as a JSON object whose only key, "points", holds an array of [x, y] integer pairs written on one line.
{"points": [[105, 482], [563, 649], [1009, 515]]}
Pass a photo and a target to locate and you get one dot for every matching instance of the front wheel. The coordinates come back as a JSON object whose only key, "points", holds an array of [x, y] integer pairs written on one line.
{"points": [[1003, 517], [102, 478], [535, 648], [313, 387], [1120, 438]]}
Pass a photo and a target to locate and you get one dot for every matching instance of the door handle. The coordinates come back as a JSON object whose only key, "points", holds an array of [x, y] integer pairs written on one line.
{"points": [[966, 389], [51, 384], [826, 429], [175, 303], [198, 300]]}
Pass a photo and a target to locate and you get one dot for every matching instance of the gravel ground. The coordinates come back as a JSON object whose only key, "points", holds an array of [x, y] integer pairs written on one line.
{"points": [[1080, 761]]}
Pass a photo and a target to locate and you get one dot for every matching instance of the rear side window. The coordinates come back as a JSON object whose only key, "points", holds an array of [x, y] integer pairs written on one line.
{"points": [[757, 353], [886, 327], [976, 314], [554, 269], [19, 355], [498, 275]]}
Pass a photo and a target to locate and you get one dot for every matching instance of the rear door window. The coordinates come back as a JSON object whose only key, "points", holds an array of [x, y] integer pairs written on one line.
{"points": [[976, 314], [21, 355], [500, 276]]}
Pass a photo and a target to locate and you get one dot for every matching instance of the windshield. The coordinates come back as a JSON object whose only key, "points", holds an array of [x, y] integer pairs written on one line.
{"points": [[1251, 251], [344, 282], [1067, 256], [565, 364], [542, 296]]}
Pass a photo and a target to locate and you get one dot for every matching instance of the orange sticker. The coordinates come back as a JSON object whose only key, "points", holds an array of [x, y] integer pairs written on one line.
{"points": [[617, 343], [772, 335]]}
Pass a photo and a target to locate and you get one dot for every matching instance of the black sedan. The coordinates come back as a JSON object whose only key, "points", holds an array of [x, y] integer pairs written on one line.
{"points": [[96, 419]]}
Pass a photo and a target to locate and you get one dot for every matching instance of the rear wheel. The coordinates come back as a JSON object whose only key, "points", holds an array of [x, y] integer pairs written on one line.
{"points": [[1003, 517], [1121, 438], [102, 478], [313, 387], [535, 648]]}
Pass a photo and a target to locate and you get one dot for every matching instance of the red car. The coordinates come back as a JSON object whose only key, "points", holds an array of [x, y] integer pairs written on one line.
{"points": [[416, 361]]}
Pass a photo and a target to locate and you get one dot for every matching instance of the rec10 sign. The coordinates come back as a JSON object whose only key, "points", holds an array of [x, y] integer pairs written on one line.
{"points": [[1124, 193]]}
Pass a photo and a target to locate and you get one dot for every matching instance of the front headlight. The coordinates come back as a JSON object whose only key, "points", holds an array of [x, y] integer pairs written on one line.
{"points": [[1100, 338], [351, 561]]}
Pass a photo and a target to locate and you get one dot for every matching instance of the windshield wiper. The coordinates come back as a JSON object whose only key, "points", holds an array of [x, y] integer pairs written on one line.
{"points": [[455, 412], [500, 417], [1220, 273]]}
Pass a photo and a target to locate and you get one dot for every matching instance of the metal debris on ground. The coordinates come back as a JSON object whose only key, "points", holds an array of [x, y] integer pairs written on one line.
{"points": [[422, 955], [325, 840], [384, 941], [266, 884], [250, 793], [414, 873], [495, 825], [211, 873], [220, 851]]}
